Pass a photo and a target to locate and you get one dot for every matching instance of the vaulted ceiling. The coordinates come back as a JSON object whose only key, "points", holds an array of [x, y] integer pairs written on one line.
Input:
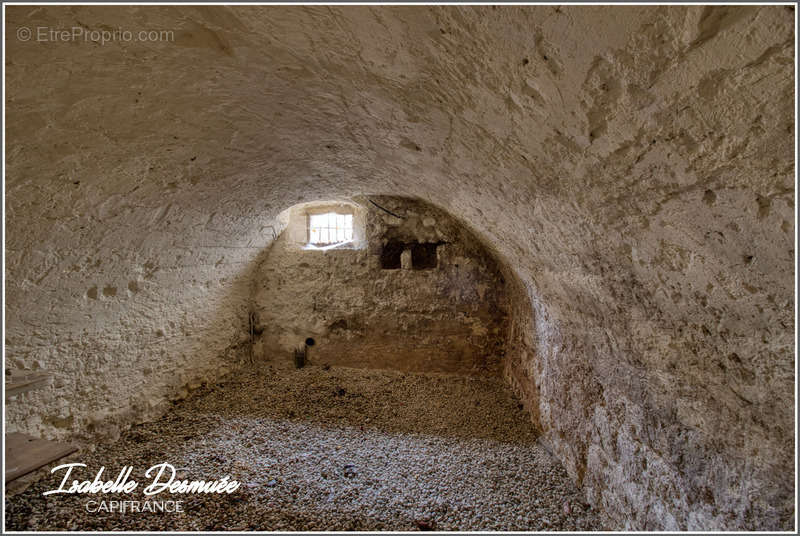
{"points": [[632, 167]]}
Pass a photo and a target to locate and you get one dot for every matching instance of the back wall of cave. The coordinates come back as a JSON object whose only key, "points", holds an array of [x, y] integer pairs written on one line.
{"points": [[419, 293]]}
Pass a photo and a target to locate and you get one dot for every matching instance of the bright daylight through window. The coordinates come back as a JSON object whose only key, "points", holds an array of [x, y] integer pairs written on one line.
{"points": [[330, 228]]}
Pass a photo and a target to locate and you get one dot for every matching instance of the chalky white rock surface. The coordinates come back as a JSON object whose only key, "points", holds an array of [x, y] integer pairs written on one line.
{"points": [[632, 167]]}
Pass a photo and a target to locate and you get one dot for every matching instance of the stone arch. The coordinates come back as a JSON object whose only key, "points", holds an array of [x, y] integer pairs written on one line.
{"points": [[444, 309]]}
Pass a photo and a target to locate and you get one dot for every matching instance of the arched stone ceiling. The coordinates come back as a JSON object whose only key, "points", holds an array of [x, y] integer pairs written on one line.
{"points": [[632, 165]]}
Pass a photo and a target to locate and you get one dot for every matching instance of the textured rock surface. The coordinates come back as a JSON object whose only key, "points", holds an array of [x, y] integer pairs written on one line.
{"points": [[448, 318], [631, 165]]}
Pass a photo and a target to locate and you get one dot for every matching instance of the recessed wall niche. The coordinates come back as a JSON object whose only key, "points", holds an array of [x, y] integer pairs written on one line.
{"points": [[424, 256], [391, 255]]}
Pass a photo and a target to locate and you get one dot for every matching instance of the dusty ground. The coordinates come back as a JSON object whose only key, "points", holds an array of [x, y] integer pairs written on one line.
{"points": [[336, 449]]}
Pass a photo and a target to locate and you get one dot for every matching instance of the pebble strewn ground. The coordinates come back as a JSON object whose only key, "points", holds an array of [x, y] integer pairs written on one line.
{"points": [[333, 449]]}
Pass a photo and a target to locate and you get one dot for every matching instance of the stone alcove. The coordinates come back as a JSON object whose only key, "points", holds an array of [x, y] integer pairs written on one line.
{"points": [[414, 290]]}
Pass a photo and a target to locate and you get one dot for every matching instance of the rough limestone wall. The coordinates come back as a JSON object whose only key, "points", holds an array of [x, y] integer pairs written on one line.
{"points": [[126, 321], [127, 272], [451, 318], [633, 166], [664, 349]]}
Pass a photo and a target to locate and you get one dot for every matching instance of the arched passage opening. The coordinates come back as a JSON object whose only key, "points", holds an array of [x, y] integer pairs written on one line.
{"points": [[412, 289]]}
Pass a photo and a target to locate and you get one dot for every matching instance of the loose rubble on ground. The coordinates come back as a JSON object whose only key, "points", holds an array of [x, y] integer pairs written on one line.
{"points": [[332, 449]]}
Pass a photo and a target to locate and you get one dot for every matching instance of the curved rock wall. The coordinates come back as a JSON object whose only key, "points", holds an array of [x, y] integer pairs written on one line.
{"points": [[632, 165]]}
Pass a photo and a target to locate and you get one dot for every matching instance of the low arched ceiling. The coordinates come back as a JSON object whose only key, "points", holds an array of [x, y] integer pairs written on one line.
{"points": [[633, 164]]}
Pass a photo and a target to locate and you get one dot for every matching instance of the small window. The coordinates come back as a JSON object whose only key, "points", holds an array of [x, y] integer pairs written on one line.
{"points": [[329, 228]]}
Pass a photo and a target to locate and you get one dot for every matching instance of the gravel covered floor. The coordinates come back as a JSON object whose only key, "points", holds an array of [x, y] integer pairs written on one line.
{"points": [[335, 449]]}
